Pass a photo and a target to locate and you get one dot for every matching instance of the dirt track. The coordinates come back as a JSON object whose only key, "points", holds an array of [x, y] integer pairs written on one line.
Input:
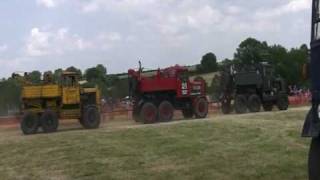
{"points": [[10, 125]]}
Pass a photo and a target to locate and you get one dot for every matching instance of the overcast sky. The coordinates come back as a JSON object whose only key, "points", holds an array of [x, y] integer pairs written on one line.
{"points": [[50, 34]]}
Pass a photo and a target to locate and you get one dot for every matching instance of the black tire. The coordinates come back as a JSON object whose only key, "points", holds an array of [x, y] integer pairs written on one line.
{"points": [[29, 123], [314, 159], [267, 106], [166, 111], [148, 113], [283, 102], [49, 121], [201, 108], [91, 117], [226, 107], [254, 103], [187, 113], [240, 104]]}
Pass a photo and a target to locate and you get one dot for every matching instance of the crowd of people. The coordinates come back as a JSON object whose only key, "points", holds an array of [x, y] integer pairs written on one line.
{"points": [[297, 91]]}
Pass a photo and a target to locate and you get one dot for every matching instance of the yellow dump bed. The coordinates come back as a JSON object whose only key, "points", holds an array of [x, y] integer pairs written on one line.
{"points": [[41, 91]]}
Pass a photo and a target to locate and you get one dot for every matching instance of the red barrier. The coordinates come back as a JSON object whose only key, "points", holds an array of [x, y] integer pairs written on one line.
{"points": [[302, 99]]}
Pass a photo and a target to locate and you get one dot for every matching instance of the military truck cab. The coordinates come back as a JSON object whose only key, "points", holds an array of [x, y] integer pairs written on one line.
{"points": [[253, 86]]}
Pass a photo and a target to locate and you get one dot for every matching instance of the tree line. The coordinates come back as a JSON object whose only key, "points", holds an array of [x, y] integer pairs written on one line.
{"points": [[286, 62]]}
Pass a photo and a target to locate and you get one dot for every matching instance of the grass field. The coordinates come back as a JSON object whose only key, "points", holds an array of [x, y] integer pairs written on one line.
{"points": [[244, 147]]}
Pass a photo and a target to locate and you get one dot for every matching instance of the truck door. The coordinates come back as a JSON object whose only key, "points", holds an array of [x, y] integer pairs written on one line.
{"points": [[70, 91]]}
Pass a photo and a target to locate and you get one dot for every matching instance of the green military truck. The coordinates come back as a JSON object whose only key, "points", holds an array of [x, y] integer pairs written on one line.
{"points": [[250, 87]]}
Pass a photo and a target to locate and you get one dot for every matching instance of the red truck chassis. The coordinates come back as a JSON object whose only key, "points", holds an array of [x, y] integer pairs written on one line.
{"points": [[156, 96]]}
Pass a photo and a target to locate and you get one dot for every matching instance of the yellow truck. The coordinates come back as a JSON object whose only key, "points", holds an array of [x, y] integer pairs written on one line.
{"points": [[44, 104]]}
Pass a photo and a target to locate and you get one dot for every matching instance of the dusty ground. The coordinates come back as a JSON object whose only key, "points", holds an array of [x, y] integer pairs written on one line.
{"points": [[251, 146], [11, 124]]}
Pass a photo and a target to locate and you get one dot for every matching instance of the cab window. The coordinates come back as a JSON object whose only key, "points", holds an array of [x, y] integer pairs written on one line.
{"points": [[69, 81]]}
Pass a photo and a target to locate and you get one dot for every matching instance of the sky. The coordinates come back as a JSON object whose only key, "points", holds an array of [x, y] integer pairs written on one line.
{"points": [[50, 34]]}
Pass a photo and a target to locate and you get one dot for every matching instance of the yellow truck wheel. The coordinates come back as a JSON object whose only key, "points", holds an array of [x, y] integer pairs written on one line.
{"points": [[91, 117], [49, 121], [29, 123]]}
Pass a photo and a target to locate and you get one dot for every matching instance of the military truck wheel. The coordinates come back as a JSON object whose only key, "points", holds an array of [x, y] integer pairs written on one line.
{"points": [[49, 121], [201, 108], [254, 103], [267, 106], [148, 113], [29, 123], [166, 111], [91, 117], [283, 103], [240, 104], [226, 107]]}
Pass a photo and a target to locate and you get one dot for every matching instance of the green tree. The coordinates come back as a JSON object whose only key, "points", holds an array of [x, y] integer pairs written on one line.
{"points": [[102, 69], [57, 75], [251, 51], [98, 75], [208, 63], [10, 96], [225, 64], [35, 77]]}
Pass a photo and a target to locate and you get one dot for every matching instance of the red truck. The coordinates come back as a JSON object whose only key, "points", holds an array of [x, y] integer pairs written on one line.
{"points": [[156, 96]]}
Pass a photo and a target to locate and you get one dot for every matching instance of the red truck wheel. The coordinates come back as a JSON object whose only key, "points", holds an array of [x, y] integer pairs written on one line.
{"points": [[166, 111], [201, 108], [149, 113]]}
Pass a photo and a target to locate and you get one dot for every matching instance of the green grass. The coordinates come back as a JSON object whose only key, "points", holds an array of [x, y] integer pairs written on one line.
{"points": [[256, 146]]}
